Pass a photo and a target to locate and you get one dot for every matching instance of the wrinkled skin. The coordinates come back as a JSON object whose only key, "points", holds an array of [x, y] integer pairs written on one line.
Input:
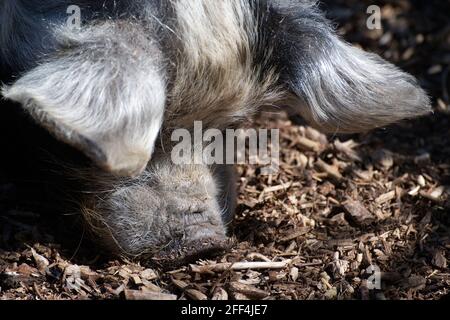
{"points": [[111, 91]]}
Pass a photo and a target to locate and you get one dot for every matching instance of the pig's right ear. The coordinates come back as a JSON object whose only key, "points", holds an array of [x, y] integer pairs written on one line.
{"points": [[107, 103], [338, 87]]}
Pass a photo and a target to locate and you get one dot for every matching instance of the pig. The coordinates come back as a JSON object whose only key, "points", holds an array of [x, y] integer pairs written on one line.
{"points": [[117, 85]]}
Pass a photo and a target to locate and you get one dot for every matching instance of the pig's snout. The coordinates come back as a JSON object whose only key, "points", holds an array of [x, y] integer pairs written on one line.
{"points": [[170, 215], [189, 250], [202, 235]]}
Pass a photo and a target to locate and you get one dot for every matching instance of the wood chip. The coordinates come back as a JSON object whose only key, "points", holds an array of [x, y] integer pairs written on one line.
{"points": [[331, 171], [220, 294], [192, 293], [338, 220], [150, 286], [41, 262], [384, 158], [281, 187], [296, 234], [221, 267], [338, 267], [414, 191], [358, 212], [248, 290], [316, 135], [258, 256], [26, 270], [147, 295], [421, 181], [149, 274], [387, 197], [294, 273], [240, 297], [415, 282], [196, 295], [347, 148], [439, 259], [180, 284], [136, 279], [435, 195], [331, 294], [308, 144]]}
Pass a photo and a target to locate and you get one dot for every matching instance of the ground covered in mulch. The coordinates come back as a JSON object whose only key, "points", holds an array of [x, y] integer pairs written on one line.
{"points": [[339, 205]]}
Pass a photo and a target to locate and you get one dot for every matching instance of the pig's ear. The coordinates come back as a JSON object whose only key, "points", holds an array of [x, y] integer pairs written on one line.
{"points": [[108, 102], [338, 87]]}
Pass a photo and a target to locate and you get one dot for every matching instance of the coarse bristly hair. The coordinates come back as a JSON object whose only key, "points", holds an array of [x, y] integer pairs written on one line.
{"points": [[138, 69], [336, 86]]}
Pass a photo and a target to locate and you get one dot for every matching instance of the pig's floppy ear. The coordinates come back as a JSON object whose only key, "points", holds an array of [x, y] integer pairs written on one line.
{"points": [[338, 87], [103, 94]]}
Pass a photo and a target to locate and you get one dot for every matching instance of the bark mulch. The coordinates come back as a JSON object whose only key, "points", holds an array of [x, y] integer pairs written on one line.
{"points": [[339, 204]]}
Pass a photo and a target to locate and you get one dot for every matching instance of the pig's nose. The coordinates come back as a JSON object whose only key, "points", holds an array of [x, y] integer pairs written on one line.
{"points": [[192, 251], [206, 248]]}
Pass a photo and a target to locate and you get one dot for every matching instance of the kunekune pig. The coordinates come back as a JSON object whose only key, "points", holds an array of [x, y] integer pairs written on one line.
{"points": [[115, 87]]}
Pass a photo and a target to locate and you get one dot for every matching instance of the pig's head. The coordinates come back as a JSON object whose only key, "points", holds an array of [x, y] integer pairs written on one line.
{"points": [[110, 87]]}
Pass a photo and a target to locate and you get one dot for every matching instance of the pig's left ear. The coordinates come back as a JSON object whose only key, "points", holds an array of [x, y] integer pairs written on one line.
{"points": [[338, 87], [107, 101]]}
